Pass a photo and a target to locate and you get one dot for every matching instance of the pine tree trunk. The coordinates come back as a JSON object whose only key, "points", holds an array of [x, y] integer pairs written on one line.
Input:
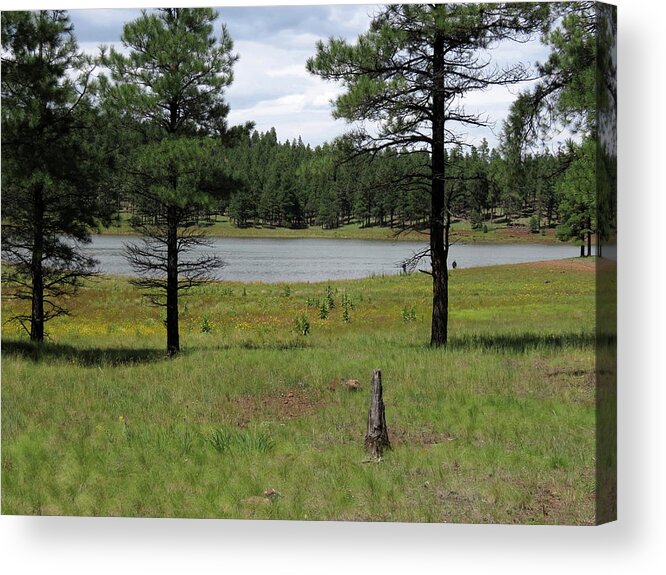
{"points": [[376, 438], [37, 271], [173, 339], [438, 241], [589, 244]]}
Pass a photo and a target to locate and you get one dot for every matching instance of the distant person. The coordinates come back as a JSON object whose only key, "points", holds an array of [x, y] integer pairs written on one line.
{"points": [[454, 265]]}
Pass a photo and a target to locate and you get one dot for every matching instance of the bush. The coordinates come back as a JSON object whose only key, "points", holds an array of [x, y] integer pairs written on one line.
{"points": [[534, 225], [408, 314], [330, 302], [347, 305], [476, 219], [302, 324]]}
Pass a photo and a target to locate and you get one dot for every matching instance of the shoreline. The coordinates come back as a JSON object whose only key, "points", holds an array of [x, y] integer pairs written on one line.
{"points": [[588, 264], [503, 235]]}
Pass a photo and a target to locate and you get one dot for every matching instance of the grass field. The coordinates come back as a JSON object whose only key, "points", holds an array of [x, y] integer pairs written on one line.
{"points": [[461, 231], [498, 427]]}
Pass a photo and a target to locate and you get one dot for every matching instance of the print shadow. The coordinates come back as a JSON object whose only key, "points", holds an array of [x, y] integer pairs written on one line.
{"points": [[86, 357], [521, 342]]}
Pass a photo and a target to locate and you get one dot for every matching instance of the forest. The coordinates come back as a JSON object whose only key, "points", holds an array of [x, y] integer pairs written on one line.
{"points": [[290, 184]]}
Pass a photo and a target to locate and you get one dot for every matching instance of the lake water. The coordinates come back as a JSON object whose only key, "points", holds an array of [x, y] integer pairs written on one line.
{"points": [[312, 260]]}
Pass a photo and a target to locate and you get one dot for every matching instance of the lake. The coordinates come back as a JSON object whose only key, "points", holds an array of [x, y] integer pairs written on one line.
{"points": [[312, 260]]}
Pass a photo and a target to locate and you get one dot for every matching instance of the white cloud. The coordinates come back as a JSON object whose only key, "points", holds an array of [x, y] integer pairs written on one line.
{"points": [[271, 85], [294, 70]]}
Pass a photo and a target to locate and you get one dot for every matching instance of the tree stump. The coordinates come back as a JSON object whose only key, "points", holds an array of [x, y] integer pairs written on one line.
{"points": [[376, 438]]}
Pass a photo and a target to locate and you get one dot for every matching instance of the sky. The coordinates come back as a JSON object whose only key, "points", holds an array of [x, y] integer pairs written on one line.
{"points": [[271, 85]]}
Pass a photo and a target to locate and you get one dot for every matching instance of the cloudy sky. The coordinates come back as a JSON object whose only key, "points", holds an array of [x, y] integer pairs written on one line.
{"points": [[271, 86]]}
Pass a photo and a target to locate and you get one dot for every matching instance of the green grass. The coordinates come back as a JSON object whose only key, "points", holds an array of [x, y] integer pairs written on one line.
{"points": [[461, 231], [498, 427]]}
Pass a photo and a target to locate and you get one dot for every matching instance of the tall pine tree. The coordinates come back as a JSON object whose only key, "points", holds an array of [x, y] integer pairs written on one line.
{"points": [[406, 77], [52, 164], [170, 87]]}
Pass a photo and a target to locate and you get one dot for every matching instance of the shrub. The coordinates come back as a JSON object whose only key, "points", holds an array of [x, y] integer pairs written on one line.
{"points": [[329, 297], [408, 314], [205, 325], [476, 219], [302, 324], [347, 305], [534, 225]]}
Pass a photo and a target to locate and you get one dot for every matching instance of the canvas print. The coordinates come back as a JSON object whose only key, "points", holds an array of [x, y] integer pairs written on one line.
{"points": [[329, 262]]}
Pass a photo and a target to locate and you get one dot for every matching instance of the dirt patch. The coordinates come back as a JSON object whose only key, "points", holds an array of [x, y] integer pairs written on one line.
{"points": [[288, 404], [344, 384], [545, 505], [398, 436]]}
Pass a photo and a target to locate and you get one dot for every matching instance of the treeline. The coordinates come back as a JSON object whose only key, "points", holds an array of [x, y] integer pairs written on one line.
{"points": [[294, 185]]}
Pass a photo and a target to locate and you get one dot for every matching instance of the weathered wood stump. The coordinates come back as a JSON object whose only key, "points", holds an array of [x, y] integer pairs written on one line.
{"points": [[376, 438]]}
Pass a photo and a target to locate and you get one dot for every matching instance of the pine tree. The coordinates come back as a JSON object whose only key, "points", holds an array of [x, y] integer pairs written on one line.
{"points": [[52, 164], [170, 86], [405, 76]]}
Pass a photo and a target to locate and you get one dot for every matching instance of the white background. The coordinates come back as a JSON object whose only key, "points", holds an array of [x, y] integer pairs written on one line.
{"points": [[633, 544]]}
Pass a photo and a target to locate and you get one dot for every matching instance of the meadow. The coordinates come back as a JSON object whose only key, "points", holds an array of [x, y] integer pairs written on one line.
{"points": [[254, 420]]}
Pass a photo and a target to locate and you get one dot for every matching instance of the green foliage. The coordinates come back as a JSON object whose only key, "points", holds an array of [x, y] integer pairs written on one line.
{"points": [[330, 300], [302, 324], [408, 314], [55, 158], [577, 188], [291, 185], [174, 72], [179, 173], [205, 325], [347, 306], [534, 225], [476, 220]]}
